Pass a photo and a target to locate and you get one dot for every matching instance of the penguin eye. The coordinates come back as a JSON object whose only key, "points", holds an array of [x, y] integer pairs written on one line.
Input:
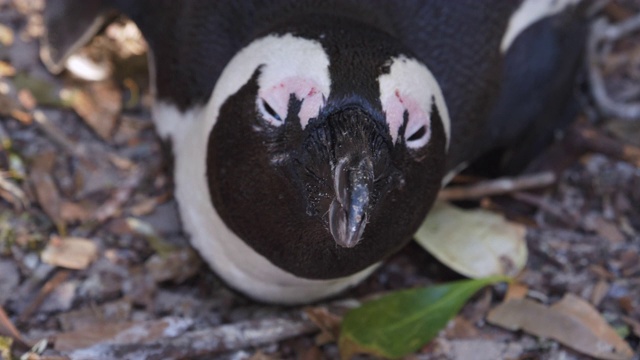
{"points": [[418, 137], [422, 131], [269, 113]]}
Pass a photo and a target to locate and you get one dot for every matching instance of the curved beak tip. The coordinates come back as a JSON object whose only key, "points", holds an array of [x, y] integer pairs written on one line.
{"points": [[348, 212], [346, 227]]}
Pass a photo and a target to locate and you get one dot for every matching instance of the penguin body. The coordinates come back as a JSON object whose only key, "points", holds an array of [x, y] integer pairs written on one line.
{"points": [[311, 137]]}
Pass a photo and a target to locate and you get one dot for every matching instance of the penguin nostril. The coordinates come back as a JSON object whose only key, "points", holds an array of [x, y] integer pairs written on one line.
{"points": [[418, 134]]}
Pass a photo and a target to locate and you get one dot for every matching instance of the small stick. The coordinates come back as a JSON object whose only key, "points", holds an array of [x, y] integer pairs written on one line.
{"points": [[591, 139], [68, 145], [206, 342], [499, 186], [554, 210], [8, 329], [48, 287], [114, 205]]}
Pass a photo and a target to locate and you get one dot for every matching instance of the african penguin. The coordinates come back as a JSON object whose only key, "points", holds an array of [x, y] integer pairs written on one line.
{"points": [[312, 137]]}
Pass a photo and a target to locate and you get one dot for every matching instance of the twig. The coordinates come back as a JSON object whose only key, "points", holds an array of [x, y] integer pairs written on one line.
{"points": [[498, 187], [48, 287], [602, 31], [554, 210], [590, 139], [123, 194], [12, 193], [8, 329], [68, 145], [205, 342]]}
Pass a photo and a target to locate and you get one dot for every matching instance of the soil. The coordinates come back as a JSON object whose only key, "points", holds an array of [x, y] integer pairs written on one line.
{"points": [[81, 160]]}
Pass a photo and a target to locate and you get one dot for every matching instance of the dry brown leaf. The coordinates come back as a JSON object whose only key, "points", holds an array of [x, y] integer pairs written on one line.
{"points": [[328, 323], [72, 212], [22, 116], [461, 328], [148, 205], [96, 315], [99, 104], [571, 321], [27, 100], [70, 253], [176, 265], [121, 333], [45, 188], [516, 291]]}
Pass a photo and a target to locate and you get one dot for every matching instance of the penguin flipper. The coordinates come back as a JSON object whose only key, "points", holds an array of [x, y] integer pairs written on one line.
{"points": [[69, 25]]}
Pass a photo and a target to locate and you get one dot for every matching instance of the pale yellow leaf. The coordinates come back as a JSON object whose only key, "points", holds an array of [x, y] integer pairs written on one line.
{"points": [[475, 243]]}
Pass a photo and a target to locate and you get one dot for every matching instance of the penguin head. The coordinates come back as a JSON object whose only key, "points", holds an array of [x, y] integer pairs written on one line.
{"points": [[325, 158]]}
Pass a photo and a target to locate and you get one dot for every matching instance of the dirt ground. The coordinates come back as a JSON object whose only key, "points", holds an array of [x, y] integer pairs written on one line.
{"points": [[92, 251]]}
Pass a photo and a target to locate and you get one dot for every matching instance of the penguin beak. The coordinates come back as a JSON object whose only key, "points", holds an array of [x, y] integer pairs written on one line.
{"points": [[348, 213]]}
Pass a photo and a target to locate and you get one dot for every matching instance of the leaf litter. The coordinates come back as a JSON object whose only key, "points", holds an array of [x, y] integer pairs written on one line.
{"points": [[572, 321], [114, 170]]}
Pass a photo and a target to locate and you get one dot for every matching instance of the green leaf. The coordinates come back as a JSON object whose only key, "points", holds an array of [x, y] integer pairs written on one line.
{"points": [[402, 322]]}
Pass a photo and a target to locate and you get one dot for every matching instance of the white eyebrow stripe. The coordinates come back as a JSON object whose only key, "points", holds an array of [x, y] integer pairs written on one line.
{"points": [[282, 56], [412, 77], [529, 12]]}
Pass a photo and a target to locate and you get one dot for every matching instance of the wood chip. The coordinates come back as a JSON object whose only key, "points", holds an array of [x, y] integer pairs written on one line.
{"points": [[70, 253], [571, 321]]}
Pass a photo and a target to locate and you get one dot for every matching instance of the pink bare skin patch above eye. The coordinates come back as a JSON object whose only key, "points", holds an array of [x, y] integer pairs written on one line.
{"points": [[395, 106], [277, 98]]}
